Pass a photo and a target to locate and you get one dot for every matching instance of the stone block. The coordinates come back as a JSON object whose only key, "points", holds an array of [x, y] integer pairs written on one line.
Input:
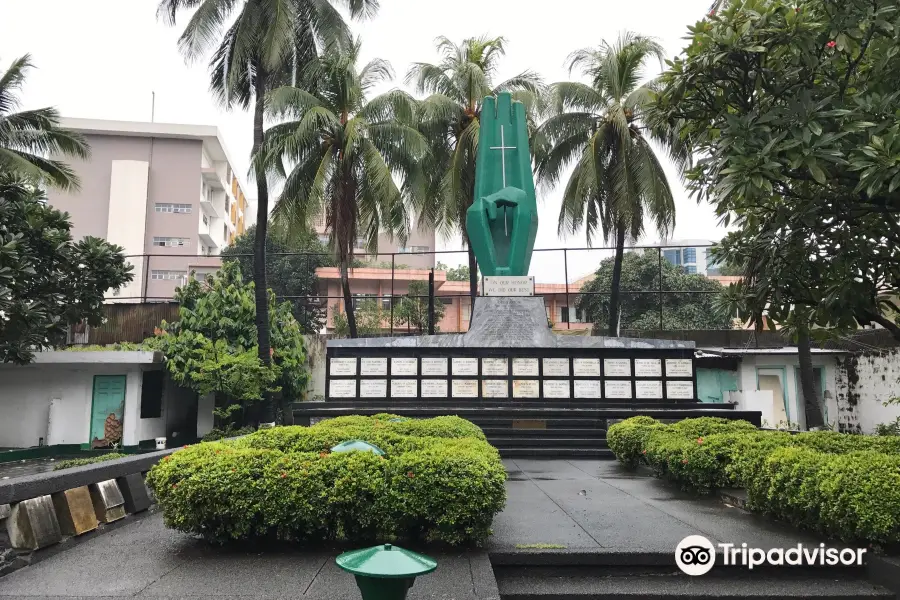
{"points": [[109, 505], [75, 511], [134, 491], [4, 511], [32, 524]]}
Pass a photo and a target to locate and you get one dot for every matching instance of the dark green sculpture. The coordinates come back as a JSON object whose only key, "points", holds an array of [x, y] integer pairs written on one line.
{"points": [[502, 222]]}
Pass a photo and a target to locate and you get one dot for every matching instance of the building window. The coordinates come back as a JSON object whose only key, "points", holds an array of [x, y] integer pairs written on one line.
{"points": [[168, 207], [360, 298], [691, 268], [227, 204], [167, 275], [673, 256], [447, 301], [201, 275], [170, 242], [202, 249], [224, 232], [412, 249], [386, 303], [564, 314], [690, 255], [465, 310], [151, 394], [206, 220]]}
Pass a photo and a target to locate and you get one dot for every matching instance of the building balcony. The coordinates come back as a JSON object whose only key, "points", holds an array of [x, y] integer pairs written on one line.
{"points": [[207, 240], [212, 179]]}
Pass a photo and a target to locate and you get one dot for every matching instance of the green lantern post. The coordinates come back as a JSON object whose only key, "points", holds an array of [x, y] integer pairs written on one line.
{"points": [[385, 572]]}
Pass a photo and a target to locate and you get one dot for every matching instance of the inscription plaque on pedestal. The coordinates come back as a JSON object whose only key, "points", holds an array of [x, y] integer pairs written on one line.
{"points": [[648, 389], [617, 367], [525, 367], [434, 388], [343, 366], [404, 366], [556, 367], [556, 389], [342, 388], [369, 365], [679, 367], [494, 388], [494, 367], [373, 388], [526, 388], [465, 388], [587, 388], [617, 389], [434, 366], [403, 388], [586, 367], [647, 367], [465, 366], [680, 390]]}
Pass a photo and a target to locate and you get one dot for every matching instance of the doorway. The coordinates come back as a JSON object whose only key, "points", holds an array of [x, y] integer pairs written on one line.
{"points": [[107, 410], [773, 380]]}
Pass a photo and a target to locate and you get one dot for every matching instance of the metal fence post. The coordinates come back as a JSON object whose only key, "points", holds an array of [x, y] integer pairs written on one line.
{"points": [[566, 268], [431, 302], [393, 260], [660, 291]]}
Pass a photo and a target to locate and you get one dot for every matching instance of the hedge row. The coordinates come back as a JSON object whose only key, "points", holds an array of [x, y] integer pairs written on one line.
{"points": [[844, 486], [439, 481]]}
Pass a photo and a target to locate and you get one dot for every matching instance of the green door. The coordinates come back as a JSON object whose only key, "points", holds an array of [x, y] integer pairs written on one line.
{"points": [[107, 410], [712, 383]]}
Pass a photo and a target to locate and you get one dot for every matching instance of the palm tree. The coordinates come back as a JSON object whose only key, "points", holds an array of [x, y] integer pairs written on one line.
{"points": [[28, 138], [340, 152], [450, 122], [258, 45], [602, 128]]}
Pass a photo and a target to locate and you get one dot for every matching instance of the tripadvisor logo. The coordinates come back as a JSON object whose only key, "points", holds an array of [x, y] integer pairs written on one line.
{"points": [[696, 555]]}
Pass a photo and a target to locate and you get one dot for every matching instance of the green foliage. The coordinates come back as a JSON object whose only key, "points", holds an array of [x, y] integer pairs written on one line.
{"points": [[216, 434], [117, 347], [640, 273], [440, 481], [627, 439], [369, 319], [412, 309], [460, 273], [79, 462], [891, 428], [47, 280]]}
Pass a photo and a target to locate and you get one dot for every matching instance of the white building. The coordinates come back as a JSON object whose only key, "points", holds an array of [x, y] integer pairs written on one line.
{"points": [[690, 254]]}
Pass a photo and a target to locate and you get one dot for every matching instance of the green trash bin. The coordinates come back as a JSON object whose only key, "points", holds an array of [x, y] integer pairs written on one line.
{"points": [[385, 572], [350, 445]]}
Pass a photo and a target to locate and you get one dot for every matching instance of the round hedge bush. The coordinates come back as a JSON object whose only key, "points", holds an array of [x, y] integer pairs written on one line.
{"points": [[440, 481]]}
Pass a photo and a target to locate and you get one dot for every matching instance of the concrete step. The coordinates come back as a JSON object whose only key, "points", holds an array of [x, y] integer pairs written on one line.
{"points": [[556, 452], [552, 432], [511, 441]]}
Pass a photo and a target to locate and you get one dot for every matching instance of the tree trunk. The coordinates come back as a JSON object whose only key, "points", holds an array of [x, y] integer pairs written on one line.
{"points": [[614, 311], [473, 280], [813, 407], [348, 301], [259, 243]]}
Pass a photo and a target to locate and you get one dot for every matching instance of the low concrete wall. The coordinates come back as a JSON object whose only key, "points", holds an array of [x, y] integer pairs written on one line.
{"points": [[864, 384]]}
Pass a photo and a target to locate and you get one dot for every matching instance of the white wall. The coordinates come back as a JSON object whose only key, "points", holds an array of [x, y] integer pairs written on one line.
{"points": [[128, 215], [865, 382]]}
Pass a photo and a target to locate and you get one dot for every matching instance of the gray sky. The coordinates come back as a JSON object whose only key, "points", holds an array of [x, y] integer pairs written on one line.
{"points": [[103, 58]]}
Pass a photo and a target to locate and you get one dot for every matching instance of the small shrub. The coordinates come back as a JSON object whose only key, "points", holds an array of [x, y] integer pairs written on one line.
{"points": [[627, 438], [219, 434], [703, 426], [79, 462]]}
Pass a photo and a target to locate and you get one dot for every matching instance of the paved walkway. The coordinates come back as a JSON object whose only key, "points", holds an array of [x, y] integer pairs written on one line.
{"points": [[583, 505]]}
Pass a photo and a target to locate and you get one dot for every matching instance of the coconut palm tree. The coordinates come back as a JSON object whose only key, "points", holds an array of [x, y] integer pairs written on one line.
{"points": [[450, 122], [29, 138], [617, 180], [342, 154], [257, 45]]}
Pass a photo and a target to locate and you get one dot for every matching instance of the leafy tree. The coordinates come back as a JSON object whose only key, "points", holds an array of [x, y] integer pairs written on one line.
{"points": [[460, 273], [291, 276], [618, 181], [258, 45], [338, 152], [28, 137], [412, 309], [449, 119], [793, 108], [212, 346], [48, 281], [693, 307], [369, 319]]}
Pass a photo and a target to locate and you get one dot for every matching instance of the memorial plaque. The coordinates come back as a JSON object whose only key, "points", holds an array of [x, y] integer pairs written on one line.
{"points": [[507, 285], [342, 388], [587, 388], [372, 365], [525, 367], [494, 388], [526, 388], [586, 367], [617, 367], [404, 388], [647, 367], [434, 388], [465, 388], [679, 367], [404, 366], [434, 366], [648, 388], [343, 366], [494, 367], [617, 389], [465, 366], [556, 388], [373, 388], [680, 390], [556, 367]]}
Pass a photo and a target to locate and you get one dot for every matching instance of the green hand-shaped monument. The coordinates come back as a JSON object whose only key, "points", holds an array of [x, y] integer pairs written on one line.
{"points": [[502, 222]]}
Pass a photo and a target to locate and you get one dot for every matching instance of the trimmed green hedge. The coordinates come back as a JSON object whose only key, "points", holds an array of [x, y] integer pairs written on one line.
{"points": [[439, 481], [80, 462], [842, 485]]}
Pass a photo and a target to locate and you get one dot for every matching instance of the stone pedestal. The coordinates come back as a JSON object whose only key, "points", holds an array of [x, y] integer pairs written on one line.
{"points": [[32, 524], [134, 491], [109, 505], [75, 511]]}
